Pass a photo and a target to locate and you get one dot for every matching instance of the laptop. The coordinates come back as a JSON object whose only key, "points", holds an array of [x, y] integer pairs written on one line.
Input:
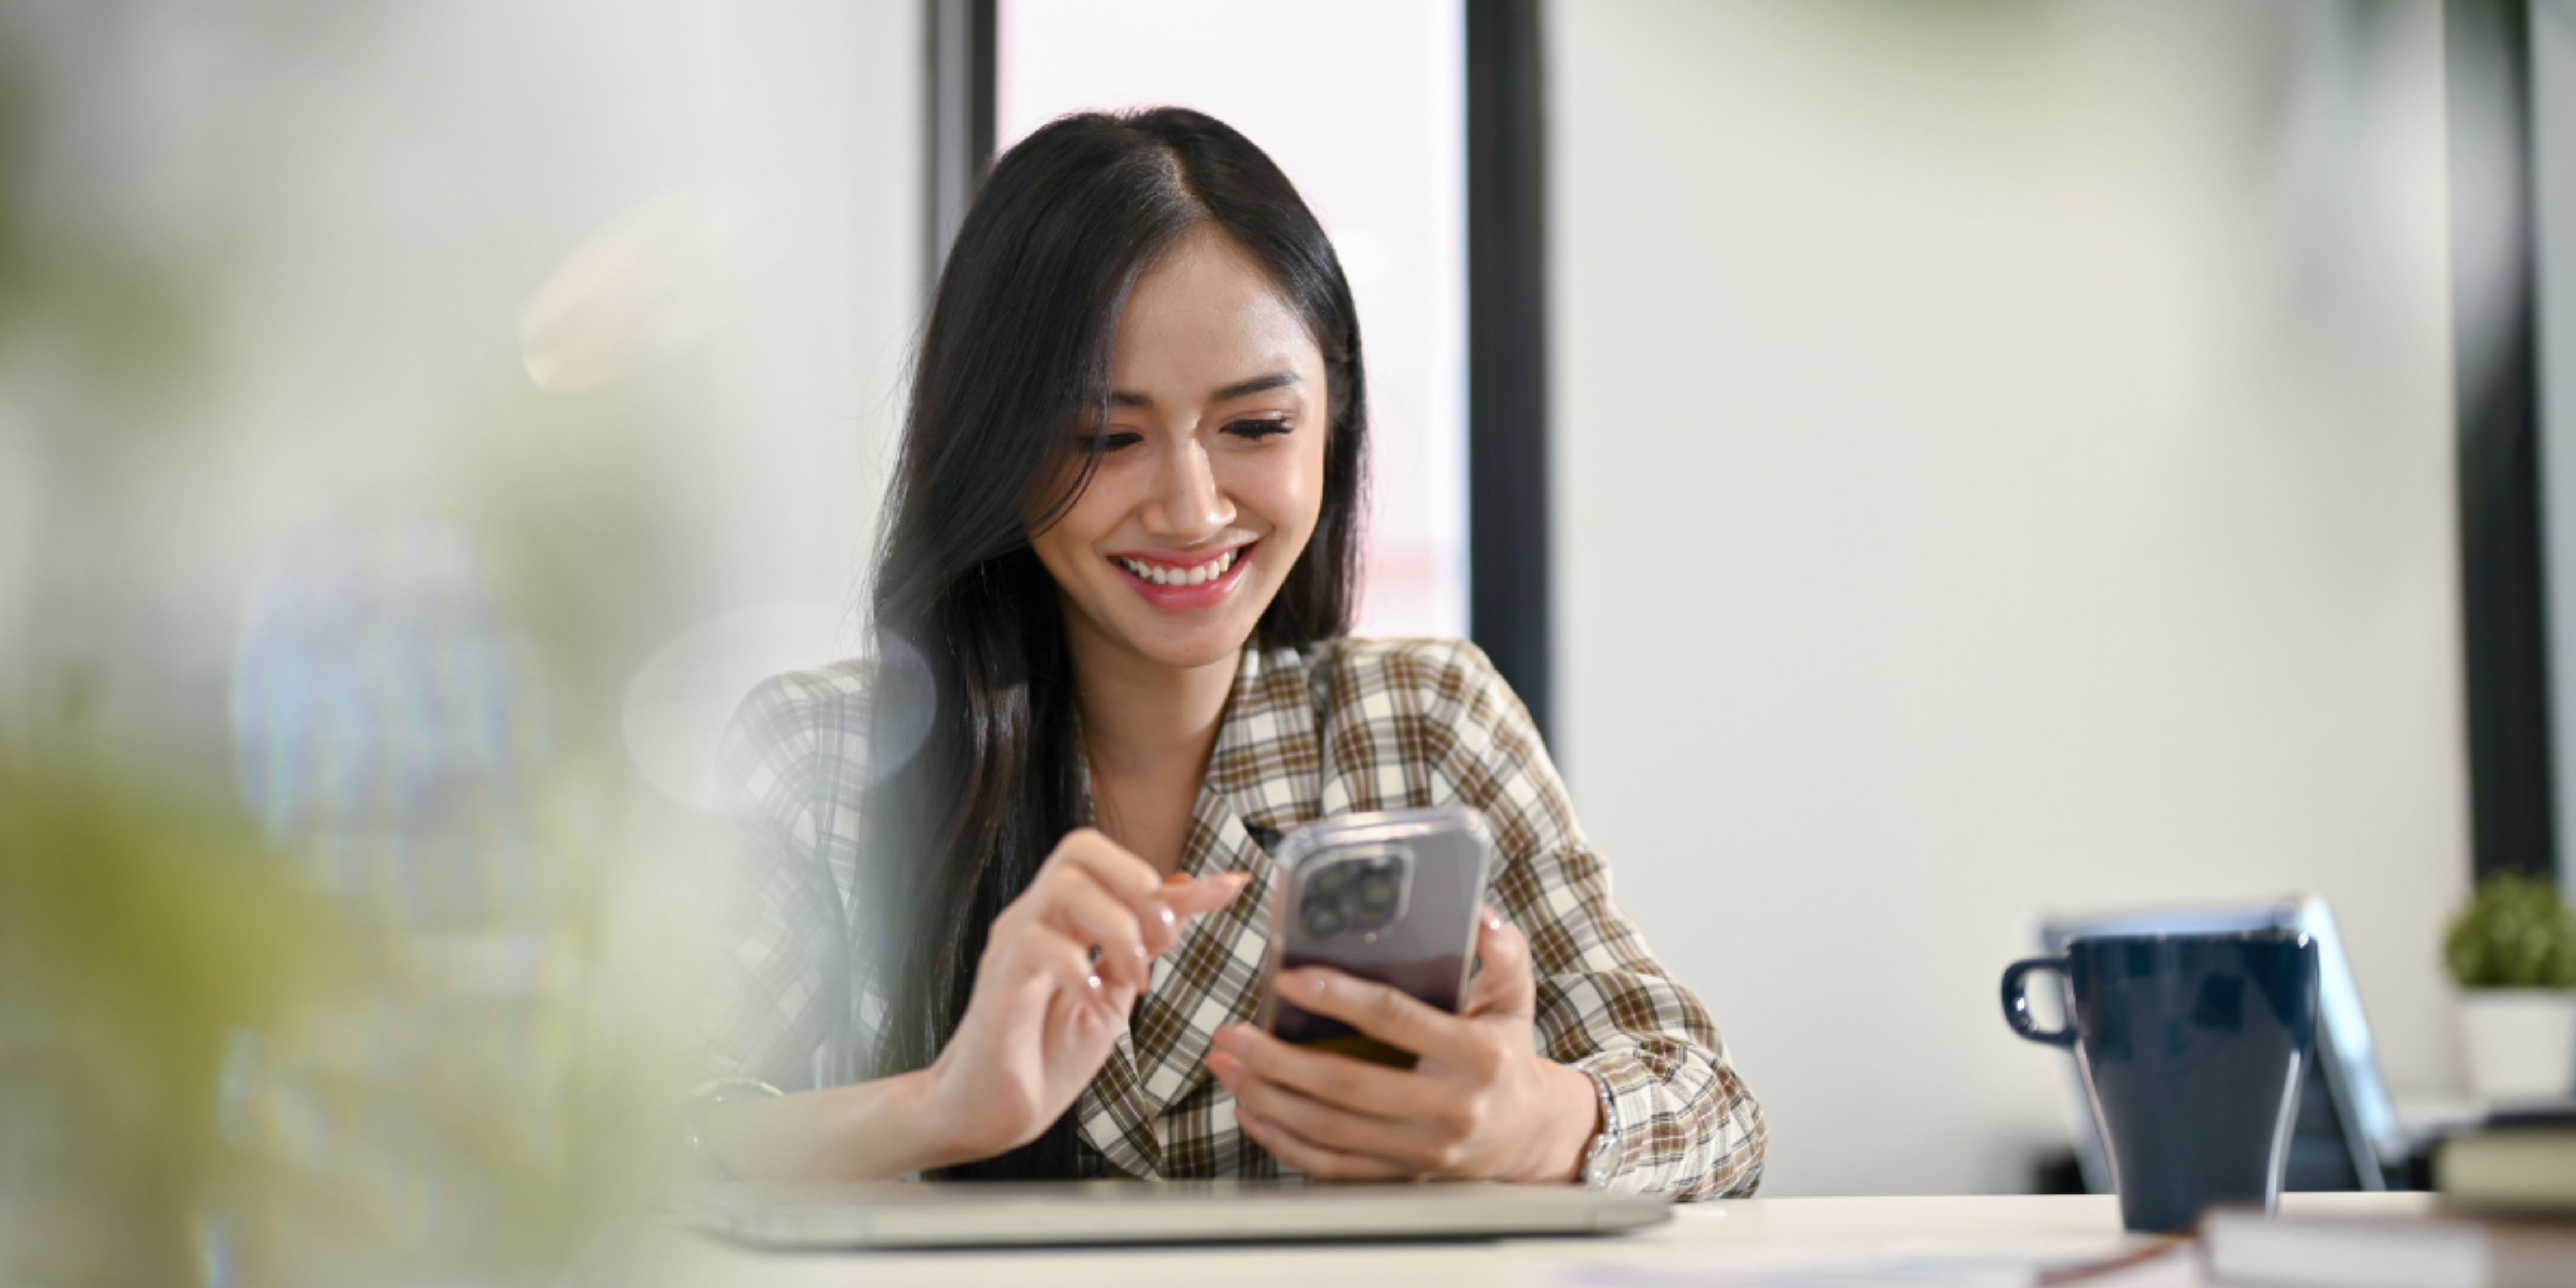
{"points": [[898, 1214]]}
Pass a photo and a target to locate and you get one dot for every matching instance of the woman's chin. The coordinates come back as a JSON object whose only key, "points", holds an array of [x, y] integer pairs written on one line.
{"points": [[1187, 645], [1198, 649]]}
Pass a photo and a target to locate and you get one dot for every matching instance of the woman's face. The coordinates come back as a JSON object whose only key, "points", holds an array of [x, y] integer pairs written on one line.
{"points": [[1212, 473]]}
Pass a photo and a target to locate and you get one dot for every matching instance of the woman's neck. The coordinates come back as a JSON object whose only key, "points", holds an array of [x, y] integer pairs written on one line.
{"points": [[1149, 729]]}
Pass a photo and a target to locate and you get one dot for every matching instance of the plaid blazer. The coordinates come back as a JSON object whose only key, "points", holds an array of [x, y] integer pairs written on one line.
{"points": [[1340, 726]]}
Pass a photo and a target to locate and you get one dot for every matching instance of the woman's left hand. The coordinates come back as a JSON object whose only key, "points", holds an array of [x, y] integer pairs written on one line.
{"points": [[1480, 1104]]}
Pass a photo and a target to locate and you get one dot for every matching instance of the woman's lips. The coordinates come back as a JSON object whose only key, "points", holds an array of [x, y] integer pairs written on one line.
{"points": [[1226, 569]]}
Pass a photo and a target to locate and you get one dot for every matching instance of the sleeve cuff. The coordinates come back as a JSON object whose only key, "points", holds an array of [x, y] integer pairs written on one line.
{"points": [[1628, 1090]]}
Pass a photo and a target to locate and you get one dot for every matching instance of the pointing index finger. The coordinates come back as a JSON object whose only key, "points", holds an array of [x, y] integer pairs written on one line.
{"points": [[1190, 896]]}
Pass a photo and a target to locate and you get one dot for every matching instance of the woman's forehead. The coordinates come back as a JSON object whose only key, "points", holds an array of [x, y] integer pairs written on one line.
{"points": [[1205, 317]]}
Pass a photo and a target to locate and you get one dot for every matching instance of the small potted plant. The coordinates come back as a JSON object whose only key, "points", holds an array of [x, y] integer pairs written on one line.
{"points": [[2512, 951]]}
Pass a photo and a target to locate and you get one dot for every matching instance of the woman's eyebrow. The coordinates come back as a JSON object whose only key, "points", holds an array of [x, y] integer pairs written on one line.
{"points": [[1258, 384], [1239, 389]]}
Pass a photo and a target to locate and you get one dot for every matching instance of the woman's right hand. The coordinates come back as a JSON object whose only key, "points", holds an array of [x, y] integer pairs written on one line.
{"points": [[1062, 968]]}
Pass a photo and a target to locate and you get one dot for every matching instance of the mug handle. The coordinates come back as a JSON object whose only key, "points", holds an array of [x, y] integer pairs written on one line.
{"points": [[2017, 1002]]}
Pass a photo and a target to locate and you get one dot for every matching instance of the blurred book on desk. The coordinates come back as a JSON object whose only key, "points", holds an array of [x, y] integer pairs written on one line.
{"points": [[2522, 1160], [2441, 1251], [2508, 1219]]}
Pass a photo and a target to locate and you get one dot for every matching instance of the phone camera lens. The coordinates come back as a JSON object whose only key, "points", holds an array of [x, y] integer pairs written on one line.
{"points": [[1334, 879], [1323, 919], [1377, 892]]}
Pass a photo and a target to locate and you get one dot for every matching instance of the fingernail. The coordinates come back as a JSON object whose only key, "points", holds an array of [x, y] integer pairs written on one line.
{"points": [[1493, 922], [1141, 954], [1176, 879], [1093, 981], [1164, 911], [1227, 1039]]}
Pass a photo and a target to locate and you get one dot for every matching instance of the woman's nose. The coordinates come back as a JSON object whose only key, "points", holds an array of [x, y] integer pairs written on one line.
{"points": [[1186, 504]]}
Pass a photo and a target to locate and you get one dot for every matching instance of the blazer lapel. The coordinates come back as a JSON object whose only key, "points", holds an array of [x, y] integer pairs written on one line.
{"points": [[1269, 758], [1115, 1119]]}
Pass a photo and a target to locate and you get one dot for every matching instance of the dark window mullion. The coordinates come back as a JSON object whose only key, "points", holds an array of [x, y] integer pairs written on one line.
{"points": [[2504, 606], [1508, 600], [959, 111]]}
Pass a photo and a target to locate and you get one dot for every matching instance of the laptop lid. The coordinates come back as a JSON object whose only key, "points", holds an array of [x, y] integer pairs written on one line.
{"points": [[898, 1214]]}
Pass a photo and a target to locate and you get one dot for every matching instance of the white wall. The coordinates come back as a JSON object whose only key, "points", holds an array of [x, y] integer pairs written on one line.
{"points": [[2003, 459]]}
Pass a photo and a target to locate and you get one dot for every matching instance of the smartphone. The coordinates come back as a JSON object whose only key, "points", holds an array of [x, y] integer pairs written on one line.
{"points": [[1391, 896]]}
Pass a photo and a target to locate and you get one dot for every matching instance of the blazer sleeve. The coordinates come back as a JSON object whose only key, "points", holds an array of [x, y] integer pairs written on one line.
{"points": [[1684, 1121], [780, 971]]}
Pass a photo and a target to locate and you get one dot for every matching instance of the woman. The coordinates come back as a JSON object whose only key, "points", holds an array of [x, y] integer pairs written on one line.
{"points": [[1122, 545]]}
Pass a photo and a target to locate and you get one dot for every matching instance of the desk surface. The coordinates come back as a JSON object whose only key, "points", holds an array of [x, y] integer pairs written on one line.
{"points": [[1742, 1234]]}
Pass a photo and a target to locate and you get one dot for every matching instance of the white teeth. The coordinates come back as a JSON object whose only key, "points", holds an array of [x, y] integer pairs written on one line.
{"points": [[1199, 575]]}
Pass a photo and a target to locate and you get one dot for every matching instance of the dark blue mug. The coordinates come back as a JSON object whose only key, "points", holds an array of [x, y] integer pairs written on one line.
{"points": [[2192, 1048]]}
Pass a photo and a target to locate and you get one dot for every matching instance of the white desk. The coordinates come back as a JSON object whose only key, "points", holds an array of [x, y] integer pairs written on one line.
{"points": [[1744, 1233]]}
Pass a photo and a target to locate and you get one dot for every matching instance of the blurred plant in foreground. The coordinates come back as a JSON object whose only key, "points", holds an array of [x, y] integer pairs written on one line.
{"points": [[213, 1072], [345, 485], [137, 937]]}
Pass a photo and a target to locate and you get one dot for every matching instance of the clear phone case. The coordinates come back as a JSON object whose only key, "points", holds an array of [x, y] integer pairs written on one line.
{"points": [[1390, 896]]}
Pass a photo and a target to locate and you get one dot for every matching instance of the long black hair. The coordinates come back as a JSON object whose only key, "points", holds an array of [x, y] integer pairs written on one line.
{"points": [[1015, 361]]}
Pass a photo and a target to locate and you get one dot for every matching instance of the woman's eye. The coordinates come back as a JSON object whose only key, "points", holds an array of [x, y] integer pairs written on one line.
{"points": [[1112, 441], [1258, 428]]}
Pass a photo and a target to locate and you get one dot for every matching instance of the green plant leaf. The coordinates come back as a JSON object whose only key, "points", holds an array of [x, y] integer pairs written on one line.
{"points": [[2516, 932]]}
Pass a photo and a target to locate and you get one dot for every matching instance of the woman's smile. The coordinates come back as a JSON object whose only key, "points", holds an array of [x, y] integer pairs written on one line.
{"points": [[1185, 581]]}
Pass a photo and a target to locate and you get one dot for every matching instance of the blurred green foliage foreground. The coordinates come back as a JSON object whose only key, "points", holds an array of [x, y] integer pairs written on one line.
{"points": [[137, 938], [346, 490], [211, 1072]]}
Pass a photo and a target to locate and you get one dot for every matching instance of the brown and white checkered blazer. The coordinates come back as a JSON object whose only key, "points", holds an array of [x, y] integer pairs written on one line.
{"points": [[1341, 726]]}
